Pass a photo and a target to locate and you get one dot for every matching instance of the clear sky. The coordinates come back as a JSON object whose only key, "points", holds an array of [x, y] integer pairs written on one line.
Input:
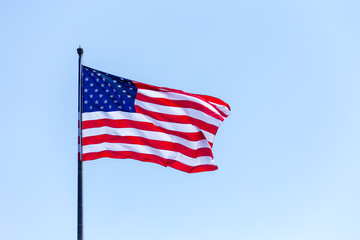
{"points": [[288, 155]]}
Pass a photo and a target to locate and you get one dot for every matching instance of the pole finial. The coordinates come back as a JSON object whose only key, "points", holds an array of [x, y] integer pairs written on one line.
{"points": [[80, 51]]}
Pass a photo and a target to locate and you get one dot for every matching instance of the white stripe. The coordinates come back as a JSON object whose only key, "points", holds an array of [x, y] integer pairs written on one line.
{"points": [[149, 150], [177, 96], [151, 135], [119, 115], [179, 111]]}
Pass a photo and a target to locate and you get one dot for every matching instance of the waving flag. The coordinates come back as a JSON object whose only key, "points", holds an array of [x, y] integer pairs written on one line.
{"points": [[122, 118]]}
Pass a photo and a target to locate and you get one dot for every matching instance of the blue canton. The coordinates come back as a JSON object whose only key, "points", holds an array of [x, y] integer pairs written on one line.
{"points": [[105, 92]]}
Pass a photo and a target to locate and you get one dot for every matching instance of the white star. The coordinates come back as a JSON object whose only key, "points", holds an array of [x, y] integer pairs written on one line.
{"points": [[91, 96], [128, 96], [85, 101], [98, 74], [120, 107], [100, 95], [85, 90], [119, 86], [96, 102], [130, 108], [111, 96], [86, 79], [90, 107], [92, 74], [102, 85], [107, 90], [115, 101], [101, 107], [124, 102], [131, 89], [105, 101], [97, 79], [114, 81], [110, 106], [109, 84], [124, 91], [96, 90], [91, 84]]}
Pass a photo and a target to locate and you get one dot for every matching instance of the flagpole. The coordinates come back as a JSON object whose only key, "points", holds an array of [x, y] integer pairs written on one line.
{"points": [[80, 203]]}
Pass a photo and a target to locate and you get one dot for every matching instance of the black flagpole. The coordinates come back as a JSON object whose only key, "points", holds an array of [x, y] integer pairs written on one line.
{"points": [[80, 206]]}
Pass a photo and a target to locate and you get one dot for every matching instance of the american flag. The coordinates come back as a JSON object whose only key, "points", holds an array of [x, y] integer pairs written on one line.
{"points": [[122, 118]]}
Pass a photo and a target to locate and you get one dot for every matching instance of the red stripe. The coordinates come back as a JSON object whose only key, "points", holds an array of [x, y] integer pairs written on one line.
{"points": [[140, 85], [205, 98], [149, 87], [149, 158], [178, 119], [189, 169], [196, 136], [164, 145], [179, 103]]}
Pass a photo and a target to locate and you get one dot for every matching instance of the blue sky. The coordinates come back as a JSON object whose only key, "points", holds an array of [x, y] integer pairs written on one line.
{"points": [[288, 155]]}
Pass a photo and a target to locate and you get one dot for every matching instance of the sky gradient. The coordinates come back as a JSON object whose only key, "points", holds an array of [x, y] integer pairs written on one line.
{"points": [[288, 155]]}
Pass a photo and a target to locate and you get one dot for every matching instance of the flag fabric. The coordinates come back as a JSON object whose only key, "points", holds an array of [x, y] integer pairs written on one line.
{"points": [[122, 118]]}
